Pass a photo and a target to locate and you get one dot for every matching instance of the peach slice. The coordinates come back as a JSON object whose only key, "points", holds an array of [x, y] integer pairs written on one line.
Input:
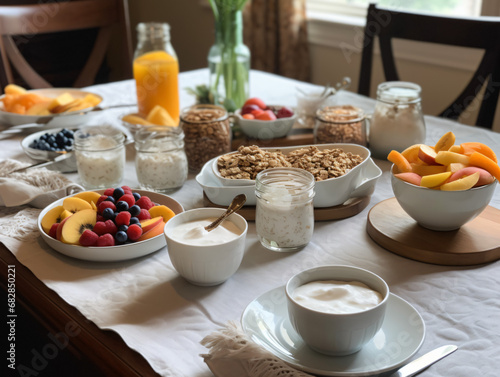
{"points": [[401, 162], [149, 224], [455, 166], [455, 148], [52, 216], [485, 178], [73, 204], [461, 183], [411, 153], [76, 224], [471, 147], [59, 229], [427, 154], [427, 169], [155, 231], [482, 161], [447, 158], [409, 177], [88, 196], [445, 142], [435, 180], [162, 211]]}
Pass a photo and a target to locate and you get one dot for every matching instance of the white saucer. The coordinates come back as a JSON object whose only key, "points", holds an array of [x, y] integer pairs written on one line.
{"points": [[265, 321]]}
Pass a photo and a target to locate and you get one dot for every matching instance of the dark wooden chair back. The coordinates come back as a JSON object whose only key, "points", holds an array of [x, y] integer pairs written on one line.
{"points": [[482, 33], [25, 21]]}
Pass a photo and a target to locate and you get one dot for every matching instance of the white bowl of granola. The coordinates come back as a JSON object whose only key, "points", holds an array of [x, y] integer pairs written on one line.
{"points": [[342, 171]]}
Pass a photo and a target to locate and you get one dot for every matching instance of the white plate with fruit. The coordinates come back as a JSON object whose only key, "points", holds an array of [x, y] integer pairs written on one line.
{"points": [[82, 219], [63, 107]]}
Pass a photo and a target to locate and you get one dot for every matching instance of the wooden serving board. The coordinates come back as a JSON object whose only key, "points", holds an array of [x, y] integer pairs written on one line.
{"points": [[476, 242], [350, 208]]}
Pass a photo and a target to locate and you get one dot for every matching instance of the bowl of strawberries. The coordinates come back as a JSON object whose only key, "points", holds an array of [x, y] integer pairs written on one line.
{"points": [[258, 120]]}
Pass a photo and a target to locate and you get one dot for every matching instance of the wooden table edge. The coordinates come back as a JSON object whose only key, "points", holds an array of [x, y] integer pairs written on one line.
{"points": [[105, 348]]}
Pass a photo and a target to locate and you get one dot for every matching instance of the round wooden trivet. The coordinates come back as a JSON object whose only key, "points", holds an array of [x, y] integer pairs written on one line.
{"points": [[476, 242], [350, 208]]}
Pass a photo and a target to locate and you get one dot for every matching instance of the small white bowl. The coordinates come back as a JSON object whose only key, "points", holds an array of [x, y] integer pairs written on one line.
{"points": [[38, 154], [209, 264], [265, 129], [330, 333], [359, 181], [69, 119], [441, 210]]}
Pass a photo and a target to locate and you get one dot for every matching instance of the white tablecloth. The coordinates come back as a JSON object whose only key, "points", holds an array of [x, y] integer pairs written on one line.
{"points": [[163, 317]]}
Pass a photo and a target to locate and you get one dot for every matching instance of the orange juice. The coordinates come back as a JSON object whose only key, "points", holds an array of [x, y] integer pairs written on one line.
{"points": [[156, 76]]}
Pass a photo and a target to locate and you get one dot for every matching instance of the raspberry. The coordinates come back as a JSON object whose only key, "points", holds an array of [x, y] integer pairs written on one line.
{"points": [[88, 238], [108, 192], [105, 204], [53, 230], [99, 228], [106, 240], [123, 218], [129, 198], [144, 215], [145, 203], [100, 218], [100, 200], [127, 190], [110, 227], [134, 232]]}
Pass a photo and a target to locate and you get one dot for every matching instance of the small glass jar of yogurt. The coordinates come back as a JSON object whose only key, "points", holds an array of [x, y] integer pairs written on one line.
{"points": [[160, 161], [285, 213], [100, 156]]}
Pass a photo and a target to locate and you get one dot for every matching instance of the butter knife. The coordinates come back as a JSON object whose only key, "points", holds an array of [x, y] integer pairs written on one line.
{"points": [[417, 365]]}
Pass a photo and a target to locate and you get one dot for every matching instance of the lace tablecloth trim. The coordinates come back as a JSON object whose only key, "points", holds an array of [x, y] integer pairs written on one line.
{"points": [[20, 224]]}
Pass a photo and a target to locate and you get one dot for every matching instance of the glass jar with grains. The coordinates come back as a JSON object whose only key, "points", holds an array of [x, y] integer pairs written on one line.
{"points": [[160, 161], [340, 124], [284, 216], [397, 121], [100, 156], [207, 134]]}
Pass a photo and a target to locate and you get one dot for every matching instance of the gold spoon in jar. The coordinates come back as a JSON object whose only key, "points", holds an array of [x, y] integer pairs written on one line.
{"points": [[235, 205]]}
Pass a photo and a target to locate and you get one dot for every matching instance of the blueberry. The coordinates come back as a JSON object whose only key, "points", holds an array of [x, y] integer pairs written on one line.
{"points": [[121, 236], [108, 214], [137, 196], [110, 199], [123, 227], [135, 210], [118, 193], [122, 206], [135, 220]]}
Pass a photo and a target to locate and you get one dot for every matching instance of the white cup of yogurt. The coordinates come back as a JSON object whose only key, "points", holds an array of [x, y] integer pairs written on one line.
{"points": [[201, 257], [336, 309]]}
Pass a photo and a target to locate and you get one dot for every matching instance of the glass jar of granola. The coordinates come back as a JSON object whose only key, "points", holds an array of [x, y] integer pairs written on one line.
{"points": [[397, 121], [207, 134], [340, 124], [160, 161], [285, 212]]}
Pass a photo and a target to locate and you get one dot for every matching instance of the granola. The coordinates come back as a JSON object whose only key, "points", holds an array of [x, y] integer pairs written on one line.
{"points": [[322, 164]]}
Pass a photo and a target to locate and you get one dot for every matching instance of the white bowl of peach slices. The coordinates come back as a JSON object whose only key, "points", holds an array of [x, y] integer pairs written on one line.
{"points": [[108, 225], [444, 186]]}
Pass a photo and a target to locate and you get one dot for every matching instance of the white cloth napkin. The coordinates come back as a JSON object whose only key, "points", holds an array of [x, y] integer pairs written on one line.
{"points": [[233, 354], [36, 187]]}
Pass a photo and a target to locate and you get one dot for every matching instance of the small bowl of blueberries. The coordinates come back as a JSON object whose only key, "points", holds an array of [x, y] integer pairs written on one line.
{"points": [[48, 144]]}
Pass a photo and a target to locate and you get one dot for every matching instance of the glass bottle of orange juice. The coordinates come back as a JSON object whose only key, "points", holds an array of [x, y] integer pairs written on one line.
{"points": [[156, 70]]}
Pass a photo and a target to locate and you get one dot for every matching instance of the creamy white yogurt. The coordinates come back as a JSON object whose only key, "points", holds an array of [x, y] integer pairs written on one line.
{"points": [[194, 233], [338, 297]]}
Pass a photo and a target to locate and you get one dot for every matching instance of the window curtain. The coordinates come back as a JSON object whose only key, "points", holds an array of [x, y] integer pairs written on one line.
{"points": [[276, 33]]}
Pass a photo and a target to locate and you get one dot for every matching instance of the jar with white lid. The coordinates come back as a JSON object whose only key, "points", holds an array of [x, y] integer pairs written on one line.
{"points": [[285, 212], [397, 121], [100, 156], [160, 161]]}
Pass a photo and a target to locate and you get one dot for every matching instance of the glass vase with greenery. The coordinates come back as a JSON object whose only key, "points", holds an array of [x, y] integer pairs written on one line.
{"points": [[229, 58]]}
